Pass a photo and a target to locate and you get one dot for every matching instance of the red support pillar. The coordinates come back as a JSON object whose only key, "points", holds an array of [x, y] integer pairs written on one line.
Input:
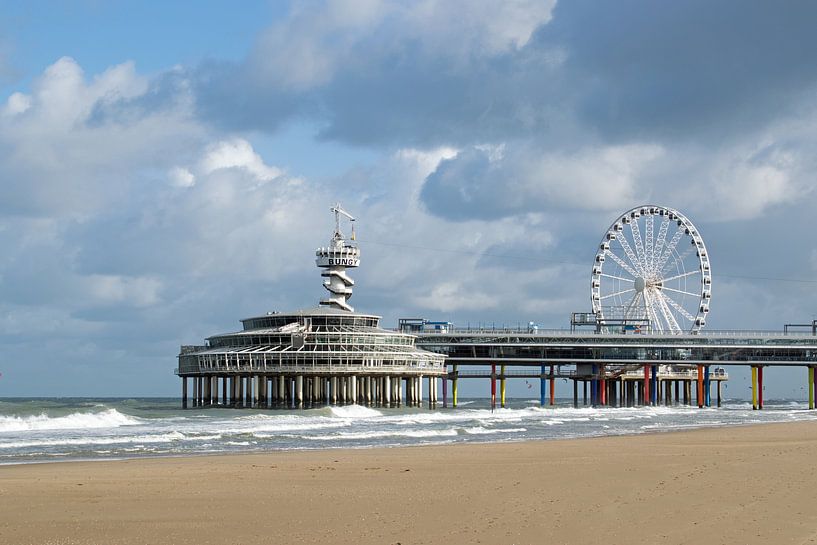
{"points": [[552, 387], [602, 386], [647, 397], [760, 387], [700, 386], [493, 386]]}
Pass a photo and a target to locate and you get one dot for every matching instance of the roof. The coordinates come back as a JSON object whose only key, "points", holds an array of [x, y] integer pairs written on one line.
{"points": [[315, 311]]}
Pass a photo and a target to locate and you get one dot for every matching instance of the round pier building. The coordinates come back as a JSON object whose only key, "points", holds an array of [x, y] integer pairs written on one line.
{"points": [[325, 355]]}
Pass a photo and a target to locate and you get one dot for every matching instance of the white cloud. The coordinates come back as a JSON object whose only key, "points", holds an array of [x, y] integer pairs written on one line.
{"points": [[17, 103], [237, 153]]}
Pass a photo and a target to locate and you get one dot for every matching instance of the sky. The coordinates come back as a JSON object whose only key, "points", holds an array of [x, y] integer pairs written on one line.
{"points": [[166, 169]]}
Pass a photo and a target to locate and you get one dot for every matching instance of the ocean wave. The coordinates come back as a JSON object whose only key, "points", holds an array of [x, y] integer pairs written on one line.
{"points": [[479, 430], [354, 411], [350, 436], [76, 441], [110, 418]]}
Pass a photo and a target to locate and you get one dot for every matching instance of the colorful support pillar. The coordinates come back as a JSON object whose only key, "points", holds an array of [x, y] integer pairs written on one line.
{"points": [[454, 389], [707, 393], [542, 381], [754, 388], [602, 386], [493, 386], [700, 390], [654, 392], [502, 386], [811, 387], [552, 387], [646, 398], [760, 387], [445, 392]]}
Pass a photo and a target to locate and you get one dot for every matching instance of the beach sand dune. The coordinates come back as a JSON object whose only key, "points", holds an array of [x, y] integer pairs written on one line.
{"points": [[753, 484]]}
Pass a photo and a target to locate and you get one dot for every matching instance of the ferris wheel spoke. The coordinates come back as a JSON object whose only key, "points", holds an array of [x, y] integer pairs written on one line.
{"points": [[617, 293], [617, 277], [671, 321], [638, 243], [649, 309], [660, 240], [622, 263], [664, 288], [681, 310], [668, 251], [648, 242], [630, 306], [681, 258], [677, 276], [630, 254]]}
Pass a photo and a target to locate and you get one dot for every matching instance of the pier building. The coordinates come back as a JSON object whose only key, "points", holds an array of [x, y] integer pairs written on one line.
{"points": [[324, 355]]}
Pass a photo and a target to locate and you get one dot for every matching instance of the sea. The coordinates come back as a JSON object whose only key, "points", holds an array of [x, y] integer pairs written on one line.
{"points": [[61, 429]]}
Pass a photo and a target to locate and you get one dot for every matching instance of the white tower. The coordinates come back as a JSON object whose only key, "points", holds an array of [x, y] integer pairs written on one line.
{"points": [[335, 259]]}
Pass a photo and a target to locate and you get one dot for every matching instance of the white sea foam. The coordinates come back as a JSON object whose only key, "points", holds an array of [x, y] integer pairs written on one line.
{"points": [[110, 418], [354, 411], [385, 433], [76, 441], [479, 430]]}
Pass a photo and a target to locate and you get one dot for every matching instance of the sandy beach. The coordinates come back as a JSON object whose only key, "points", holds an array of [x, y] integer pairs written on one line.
{"points": [[754, 484]]}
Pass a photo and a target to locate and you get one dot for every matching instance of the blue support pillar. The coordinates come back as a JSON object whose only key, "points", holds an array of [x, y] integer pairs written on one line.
{"points": [[654, 385], [542, 386], [707, 396]]}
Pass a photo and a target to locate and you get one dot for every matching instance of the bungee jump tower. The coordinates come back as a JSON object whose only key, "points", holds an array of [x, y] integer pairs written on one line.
{"points": [[313, 357]]}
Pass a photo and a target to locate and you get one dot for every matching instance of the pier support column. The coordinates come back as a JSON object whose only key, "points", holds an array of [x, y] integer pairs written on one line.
{"points": [[760, 387], [719, 392], [542, 386], [184, 392], [647, 398], [675, 382], [654, 384], [754, 388], [195, 392], [502, 386], [353, 389], [493, 386], [420, 391], [552, 387], [811, 387], [387, 391], [299, 391], [584, 393], [575, 394], [700, 391], [707, 391], [445, 392], [454, 392]]}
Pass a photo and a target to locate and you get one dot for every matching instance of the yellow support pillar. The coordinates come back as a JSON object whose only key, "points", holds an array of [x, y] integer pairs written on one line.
{"points": [[754, 387], [502, 386], [811, 387], [454, 393]]}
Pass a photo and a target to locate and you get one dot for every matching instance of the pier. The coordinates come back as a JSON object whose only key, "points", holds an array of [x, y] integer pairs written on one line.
{"points": [[617, 369]]}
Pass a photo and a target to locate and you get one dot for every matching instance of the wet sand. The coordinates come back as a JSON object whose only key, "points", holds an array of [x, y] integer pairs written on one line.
{"points": [[753, 484]]}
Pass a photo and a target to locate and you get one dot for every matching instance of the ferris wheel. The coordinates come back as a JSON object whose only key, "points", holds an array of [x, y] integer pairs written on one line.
{"points": [[652, 269]]}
